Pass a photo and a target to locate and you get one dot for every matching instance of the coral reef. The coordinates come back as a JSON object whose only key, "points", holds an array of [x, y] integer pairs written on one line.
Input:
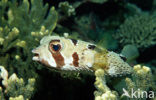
{"points": [[10, 41], [16, 42], [24, 22], [15, 88], [143, 26], [141, 81], [29, 21]]}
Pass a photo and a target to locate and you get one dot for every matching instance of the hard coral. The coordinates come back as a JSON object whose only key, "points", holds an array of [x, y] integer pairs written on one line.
{"points": [[21, 30], [142, 80], [15, 87], [103, 92], [139, 30]]}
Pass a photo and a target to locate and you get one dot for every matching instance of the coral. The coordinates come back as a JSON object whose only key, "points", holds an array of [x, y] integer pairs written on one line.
{"points": [[132, 10], [138, 30], [24, 22], [20, 97], [9, 41], [22, 25], [3, 6], [142, 80], [7, 38], [143, 77], [15, 88], [21, 32], [66, 8], [103, 92], [39, 34], [26, 16]]}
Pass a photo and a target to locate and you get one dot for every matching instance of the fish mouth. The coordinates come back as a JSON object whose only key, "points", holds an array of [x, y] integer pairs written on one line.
{"points": [[36, 56]]}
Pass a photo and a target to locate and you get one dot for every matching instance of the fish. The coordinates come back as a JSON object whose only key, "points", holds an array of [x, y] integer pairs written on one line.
{"points": [[76, 55]]}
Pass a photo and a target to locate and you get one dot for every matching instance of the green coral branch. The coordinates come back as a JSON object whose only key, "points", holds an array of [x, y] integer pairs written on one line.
{"points": [[8, 38], [15, 87], [3, 7], [27, 22], [66, 8], [138, 30], [21, 14]]}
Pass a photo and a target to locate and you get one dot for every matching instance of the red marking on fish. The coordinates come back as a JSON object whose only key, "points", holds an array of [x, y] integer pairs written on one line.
{"points": [[58, 59], [75, 59]]}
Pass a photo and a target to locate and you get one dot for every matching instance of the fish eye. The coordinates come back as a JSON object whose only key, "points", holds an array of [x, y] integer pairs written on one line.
{"points": [[56, 47]]}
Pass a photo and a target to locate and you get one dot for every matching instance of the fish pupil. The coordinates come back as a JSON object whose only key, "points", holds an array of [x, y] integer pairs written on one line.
{"points": [[56, 47]]}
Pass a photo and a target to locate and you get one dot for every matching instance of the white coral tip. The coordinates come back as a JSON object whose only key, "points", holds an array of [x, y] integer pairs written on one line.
{"points": [[13, 77], [146, 69], [3, 73]]}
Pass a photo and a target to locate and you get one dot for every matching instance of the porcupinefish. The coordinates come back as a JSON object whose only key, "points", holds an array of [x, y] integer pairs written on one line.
{"points": [[76, 55]]}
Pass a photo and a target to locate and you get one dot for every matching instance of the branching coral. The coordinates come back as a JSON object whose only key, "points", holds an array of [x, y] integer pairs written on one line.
{"points": [[22, 25], [7, 38], [20, 97], [66, 8], [141, 85], [141, 82], [15, 88], [103, 92], [139, 30], [25, 24], [143, 77], [3, 6], [26, 16], [8, 42]]}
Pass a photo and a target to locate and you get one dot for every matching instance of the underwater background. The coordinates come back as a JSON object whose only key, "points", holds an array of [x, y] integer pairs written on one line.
{"points": [[127, 27]]}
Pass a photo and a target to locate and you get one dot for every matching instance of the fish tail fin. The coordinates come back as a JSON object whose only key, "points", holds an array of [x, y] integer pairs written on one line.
{"points": [[112, 64]]}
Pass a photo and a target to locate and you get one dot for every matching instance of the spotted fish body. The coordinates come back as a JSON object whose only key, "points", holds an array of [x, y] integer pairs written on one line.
{"points": [[69, 54]]}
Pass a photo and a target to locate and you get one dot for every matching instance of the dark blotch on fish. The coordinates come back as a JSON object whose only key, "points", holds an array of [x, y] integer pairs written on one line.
{"points": [[74, 41], [123, 57], [91, 47], [54, 41]]}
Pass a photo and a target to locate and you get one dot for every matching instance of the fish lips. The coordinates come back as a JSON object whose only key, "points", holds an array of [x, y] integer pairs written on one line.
{"points": [[36, 56]]}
